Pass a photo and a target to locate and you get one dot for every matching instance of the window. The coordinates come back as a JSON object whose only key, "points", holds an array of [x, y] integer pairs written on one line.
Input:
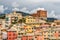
{"points": [[9, 38], [19, 36], [35, 36], [21, 33], [14, 34], [31, 20], [40, 23], [31, 39], [28, 20], [18, 33], [6, 25], [51, 35], [7, 19], [22, 29], [59, 31], [9, 34], [16, 17], [59, 35], [44, 35]]}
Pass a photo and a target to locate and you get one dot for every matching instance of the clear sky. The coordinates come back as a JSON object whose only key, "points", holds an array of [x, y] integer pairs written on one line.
{"points": [[30, 6]]}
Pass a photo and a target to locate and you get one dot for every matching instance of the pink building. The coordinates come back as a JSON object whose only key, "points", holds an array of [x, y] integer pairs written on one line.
{"points": [[39, 37], [27, 38], [24, 38]]}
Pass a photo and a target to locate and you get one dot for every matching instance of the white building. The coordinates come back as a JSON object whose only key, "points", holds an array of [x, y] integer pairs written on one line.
{"points": [[12, 17]]}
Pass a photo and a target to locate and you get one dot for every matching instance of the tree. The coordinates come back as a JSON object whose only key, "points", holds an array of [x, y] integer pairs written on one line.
{"points": [[23, 20], [20, 21]]}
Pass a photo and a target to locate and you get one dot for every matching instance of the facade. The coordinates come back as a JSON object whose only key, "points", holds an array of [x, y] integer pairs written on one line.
{"points": [[40, 13], [27, 38], [34, 21], [2, 23], [12, 18], [57, 22], [1, 37], [4, 34], [34, 27], [12, 35]]}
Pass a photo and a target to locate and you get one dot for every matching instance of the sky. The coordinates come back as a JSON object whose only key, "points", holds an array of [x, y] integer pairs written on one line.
{"points": [[31, 6]]}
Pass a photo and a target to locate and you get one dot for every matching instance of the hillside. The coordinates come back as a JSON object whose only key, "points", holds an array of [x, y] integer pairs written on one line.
{"points": [[23, 13]]}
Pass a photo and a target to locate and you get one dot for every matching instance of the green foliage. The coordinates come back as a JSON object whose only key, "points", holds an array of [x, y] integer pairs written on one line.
{"points": [[2, 16], [22, 20], [15, 21]]}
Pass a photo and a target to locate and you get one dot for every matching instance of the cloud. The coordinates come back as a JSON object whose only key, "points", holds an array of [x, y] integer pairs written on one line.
{"points": [[24, 9], [2, 9], [34, 1], [52, 0], [52, 14], [15, 4], [35, 10], [15, 9]]}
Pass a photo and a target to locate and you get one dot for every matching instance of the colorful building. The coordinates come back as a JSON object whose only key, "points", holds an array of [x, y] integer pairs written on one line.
{"points": [[40, 13], [12, 35], [34, 21], [12, 18]]}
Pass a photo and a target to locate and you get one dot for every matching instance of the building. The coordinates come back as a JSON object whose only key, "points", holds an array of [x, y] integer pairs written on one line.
{"points": [[12, 18], [57, 22], [40, 13], [24, 38], [4, 34], [2, 23], [38, 37], [27, 38], [51, 19], [34, 21], [12, 34], [1, 37]]}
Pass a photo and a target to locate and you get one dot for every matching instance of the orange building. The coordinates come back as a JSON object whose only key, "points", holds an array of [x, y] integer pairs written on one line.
{"points": [[34, 15], [27, 38], [24, 38], [11, 35], [56, 34], [39, 37], [30, 37], [40, 13]]}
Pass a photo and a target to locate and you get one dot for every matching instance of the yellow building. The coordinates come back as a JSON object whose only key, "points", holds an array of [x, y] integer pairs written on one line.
{"points": [[29, 29], [57, 22], [14, 14], [34, 21]]}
